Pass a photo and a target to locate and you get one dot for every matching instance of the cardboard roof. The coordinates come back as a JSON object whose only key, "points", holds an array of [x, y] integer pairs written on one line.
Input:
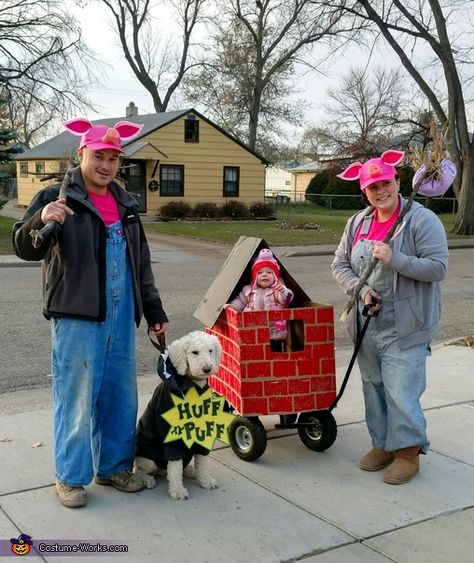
{"points": [[234, 274]]}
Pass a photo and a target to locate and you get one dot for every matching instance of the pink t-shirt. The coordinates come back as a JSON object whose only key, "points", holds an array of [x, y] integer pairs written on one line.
{"points": [[106, 206], [378, 229]]}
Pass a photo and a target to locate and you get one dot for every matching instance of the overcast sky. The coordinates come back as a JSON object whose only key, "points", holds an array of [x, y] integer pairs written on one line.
{"points": [[119, 86]]}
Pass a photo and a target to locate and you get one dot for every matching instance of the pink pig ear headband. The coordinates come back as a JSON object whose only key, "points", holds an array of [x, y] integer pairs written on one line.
{"points": [[383, 168], [374, 170], [101, 137]]}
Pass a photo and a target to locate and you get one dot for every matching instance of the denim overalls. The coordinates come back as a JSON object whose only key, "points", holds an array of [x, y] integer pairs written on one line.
{"points": [[393, 379], [94, 380]]}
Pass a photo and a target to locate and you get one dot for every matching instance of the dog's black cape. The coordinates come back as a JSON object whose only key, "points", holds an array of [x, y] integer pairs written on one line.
{"points": [[152, 427]]}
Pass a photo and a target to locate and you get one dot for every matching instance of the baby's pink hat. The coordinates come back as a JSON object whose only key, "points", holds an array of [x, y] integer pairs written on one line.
{"points": [[374, 170], [101, 137], [265, 259]]}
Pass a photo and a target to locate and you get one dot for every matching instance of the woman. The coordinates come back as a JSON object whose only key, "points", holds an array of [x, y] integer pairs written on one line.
{"points": [[406, 286]]}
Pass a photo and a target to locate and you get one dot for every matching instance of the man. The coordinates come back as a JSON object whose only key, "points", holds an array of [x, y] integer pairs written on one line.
{"points": [[97, 284]]}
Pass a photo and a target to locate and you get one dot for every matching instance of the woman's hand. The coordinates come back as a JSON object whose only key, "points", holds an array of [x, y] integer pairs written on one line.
{"points": [[382, 252], [369, 299]]}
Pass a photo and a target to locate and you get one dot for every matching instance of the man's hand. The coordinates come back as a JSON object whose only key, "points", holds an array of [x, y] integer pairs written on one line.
{"points": [[158, 328], [56, 211]]}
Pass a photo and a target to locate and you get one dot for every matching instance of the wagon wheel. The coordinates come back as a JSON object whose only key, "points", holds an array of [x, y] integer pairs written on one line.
{"points": [[248, 438], [322, 436]]}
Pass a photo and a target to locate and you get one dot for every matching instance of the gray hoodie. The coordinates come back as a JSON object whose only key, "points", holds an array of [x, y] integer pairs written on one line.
{"points": [[419, 263]]}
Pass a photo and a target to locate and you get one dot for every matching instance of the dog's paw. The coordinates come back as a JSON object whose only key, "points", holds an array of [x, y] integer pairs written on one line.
{"points": [[208, 482], [149, 480], [178, 493]]}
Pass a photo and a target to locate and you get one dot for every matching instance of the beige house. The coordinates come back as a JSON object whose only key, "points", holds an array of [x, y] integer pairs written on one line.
{"points": [[301, 176], [178, 156], [277, 182]]}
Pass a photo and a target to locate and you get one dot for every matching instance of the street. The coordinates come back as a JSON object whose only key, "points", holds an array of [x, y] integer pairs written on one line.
{"points": [[183, 277]]}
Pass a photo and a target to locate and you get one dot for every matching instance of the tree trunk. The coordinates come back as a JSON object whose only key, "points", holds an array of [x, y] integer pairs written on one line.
{"points": [[464, 222]]}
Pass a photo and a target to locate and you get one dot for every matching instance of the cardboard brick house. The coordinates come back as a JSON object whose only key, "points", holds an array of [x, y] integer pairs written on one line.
{"points": [[255, 380]]}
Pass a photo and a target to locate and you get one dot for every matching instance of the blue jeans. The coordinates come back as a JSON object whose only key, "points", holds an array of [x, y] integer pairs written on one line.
{"points": [[393, 381], [94, 380]]}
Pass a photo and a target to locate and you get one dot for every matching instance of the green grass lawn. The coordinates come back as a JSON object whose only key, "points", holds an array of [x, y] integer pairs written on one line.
{"points": [[300, 226], [295, 226], [6, 225]]}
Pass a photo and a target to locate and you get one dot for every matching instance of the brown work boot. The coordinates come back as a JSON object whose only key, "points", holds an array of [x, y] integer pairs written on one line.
{"points": [[124, 481], [405, 466], [375, 460], [72, 497]]}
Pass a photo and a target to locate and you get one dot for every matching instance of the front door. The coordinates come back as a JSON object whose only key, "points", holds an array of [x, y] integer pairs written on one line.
{"points": [[135, 178]]}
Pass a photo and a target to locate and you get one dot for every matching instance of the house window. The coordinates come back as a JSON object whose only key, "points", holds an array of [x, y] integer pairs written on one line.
{"points": [[62, 166], [39, 167], [23, 169], [191, 129], [172, 180], [231, 181]]}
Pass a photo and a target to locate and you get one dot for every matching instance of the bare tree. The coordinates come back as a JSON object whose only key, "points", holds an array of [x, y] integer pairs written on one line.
{"points": [[224, 88], [156, 63], [258, 44], [315, 141], [406, 24], [42, 58], [364, 112]]}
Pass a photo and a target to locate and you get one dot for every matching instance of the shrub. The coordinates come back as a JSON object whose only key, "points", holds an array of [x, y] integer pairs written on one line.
{"points": [[261, 210], [206, 210], [327, 183], [235, 210], [175, 210]]}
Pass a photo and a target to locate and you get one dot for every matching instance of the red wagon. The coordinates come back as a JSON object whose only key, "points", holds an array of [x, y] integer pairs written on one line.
{"points": [[298, 384]]}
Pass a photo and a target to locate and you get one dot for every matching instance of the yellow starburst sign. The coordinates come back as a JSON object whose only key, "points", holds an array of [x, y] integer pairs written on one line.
{"points": [[198, 419]]}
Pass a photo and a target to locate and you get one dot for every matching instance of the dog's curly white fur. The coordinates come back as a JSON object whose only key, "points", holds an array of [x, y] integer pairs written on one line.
{"points": [[195, 356]]}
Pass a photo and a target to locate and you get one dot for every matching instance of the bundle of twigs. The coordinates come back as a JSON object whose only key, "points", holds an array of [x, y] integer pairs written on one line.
{"points": [[427, 163]]}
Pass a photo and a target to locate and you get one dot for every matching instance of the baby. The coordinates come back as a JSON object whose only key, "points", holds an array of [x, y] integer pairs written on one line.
{"points": [[267, 291]]}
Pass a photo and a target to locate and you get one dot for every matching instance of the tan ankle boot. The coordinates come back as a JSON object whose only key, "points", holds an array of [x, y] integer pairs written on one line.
{"points": [[405, 466], [375, 460]]}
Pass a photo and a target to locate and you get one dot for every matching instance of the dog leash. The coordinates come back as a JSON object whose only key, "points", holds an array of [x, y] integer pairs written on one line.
{"points": [[158, 341]]}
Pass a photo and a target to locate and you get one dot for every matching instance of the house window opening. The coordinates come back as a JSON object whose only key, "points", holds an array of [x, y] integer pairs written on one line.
{"points": [[191, 129], [231, 181], [295, 340], [171, 180]]}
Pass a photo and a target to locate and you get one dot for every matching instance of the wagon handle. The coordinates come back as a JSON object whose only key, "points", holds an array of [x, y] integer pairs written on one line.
{"points": [[368, 313]]}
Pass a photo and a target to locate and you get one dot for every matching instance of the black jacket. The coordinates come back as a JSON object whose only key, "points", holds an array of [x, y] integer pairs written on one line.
{"points": [[74, 259], [152, 427]]}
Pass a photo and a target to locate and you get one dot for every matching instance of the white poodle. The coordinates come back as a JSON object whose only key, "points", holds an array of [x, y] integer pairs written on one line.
{"points": [[187, 362]]}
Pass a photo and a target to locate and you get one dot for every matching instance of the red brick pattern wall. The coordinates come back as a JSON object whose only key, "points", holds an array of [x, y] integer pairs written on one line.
{"points": [[257, 381]]}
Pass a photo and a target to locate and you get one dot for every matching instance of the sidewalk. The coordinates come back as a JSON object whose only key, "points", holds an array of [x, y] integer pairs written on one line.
{"points": [[292, 504]]}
